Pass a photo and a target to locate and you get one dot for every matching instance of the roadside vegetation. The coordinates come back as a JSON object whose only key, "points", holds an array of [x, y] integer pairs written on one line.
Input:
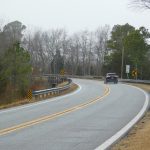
{"points": [[23, 101], [26, 54], [15, 66]]}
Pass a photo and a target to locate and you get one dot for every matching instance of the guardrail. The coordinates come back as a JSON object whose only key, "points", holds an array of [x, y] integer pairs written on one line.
{"points": [[52, 91], [135, 81]]}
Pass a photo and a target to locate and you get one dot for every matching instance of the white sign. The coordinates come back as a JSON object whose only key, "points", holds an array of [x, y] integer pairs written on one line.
{"points": [[127, 68]]}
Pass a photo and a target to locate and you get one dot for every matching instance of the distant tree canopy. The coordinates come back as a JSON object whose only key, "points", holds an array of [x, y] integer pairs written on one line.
{"points": [[135, 46]]}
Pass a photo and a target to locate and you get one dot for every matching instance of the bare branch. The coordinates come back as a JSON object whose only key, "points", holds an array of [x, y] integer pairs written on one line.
{"points": [[141, 4]]}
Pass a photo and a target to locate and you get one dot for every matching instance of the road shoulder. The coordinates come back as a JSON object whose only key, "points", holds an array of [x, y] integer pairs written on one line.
{"points": [[139, 136]]}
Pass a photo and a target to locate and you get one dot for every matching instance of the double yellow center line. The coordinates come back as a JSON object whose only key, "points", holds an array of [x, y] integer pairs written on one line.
{"points": [[55, 115]]}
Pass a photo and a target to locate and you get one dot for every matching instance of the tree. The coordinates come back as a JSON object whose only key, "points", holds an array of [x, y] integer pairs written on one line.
{"points": [[90, 54], [116, 44], [136, 49], [10, 34], [118, 33], [15, 70], [14, 60], [135, 46], [73, 65], [57, 63], [142, 4], [101, 46]]}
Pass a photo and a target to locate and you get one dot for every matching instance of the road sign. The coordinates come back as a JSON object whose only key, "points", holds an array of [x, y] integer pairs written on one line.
{"points": [[29, 94], [134, 73], [127, 68], [62, 71]]}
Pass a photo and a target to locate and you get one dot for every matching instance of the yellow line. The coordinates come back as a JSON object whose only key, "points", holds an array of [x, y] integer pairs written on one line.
{"points": [[52, 116]]}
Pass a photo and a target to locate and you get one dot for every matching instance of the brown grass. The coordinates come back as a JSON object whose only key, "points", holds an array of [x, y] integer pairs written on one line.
{"points": [[27, 101], [139, 137]]}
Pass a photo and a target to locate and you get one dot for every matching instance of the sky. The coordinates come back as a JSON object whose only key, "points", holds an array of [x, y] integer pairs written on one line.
{"points": [[73, 15]]}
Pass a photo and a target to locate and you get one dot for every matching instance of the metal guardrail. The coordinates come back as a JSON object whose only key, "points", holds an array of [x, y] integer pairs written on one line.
{"points": [[85, 77], [52, 91], [135, 81]]}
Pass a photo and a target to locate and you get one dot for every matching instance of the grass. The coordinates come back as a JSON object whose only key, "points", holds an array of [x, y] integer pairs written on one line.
{"points": [[139, 137]]}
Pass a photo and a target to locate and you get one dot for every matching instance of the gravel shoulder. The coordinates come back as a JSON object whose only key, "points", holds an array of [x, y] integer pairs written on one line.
{"points": [[139, 136]]}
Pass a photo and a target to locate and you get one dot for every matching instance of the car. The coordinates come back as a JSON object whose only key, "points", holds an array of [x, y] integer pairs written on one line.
{"points": [[111, 77]]}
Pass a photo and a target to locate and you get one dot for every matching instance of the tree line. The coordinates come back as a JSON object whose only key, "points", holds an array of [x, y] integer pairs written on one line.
{"points": [[78, 54], [24, 53]]}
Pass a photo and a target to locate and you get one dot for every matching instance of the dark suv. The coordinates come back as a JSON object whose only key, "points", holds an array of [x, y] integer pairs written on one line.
{"points": [[111, 77]]}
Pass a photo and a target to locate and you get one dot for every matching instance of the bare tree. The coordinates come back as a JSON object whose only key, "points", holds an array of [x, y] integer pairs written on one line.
{"points": [[90, 53], [34, 43], [56, 38], [81, 53], [84, 50], [142, 4], [74, 53], [100, 46]]}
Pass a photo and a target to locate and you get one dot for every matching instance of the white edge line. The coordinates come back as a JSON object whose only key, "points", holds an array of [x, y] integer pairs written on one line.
{"points": [[41, 102], [126, 128]]}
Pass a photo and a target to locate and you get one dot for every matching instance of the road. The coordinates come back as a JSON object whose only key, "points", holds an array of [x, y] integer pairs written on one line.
{"points": [[82, 120]]}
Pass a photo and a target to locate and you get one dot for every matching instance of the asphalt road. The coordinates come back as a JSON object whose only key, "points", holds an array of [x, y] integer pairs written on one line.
{"points": [[82, 120]]}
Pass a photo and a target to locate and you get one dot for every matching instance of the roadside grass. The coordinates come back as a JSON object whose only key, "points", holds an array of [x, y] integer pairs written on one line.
{"points": [[27, 101], [138, 138]]}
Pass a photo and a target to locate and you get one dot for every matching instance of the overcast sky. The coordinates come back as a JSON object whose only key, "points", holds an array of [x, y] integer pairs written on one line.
{"points": [[74, 15]]}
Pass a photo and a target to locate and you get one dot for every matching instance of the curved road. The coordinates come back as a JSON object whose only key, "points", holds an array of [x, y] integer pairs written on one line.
{"points": [[82, 120]]}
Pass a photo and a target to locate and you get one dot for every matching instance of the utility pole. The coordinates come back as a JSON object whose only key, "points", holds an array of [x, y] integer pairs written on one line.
{"points": [[122, 58], [122, 62], [136, 71]]}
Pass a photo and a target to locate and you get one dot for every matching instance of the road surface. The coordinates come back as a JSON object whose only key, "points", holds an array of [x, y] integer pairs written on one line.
{"points": [[82, 120]]}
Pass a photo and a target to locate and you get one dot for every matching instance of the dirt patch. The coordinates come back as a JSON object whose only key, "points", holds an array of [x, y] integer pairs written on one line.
{"points": [[27, 101], [139, 137]]}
